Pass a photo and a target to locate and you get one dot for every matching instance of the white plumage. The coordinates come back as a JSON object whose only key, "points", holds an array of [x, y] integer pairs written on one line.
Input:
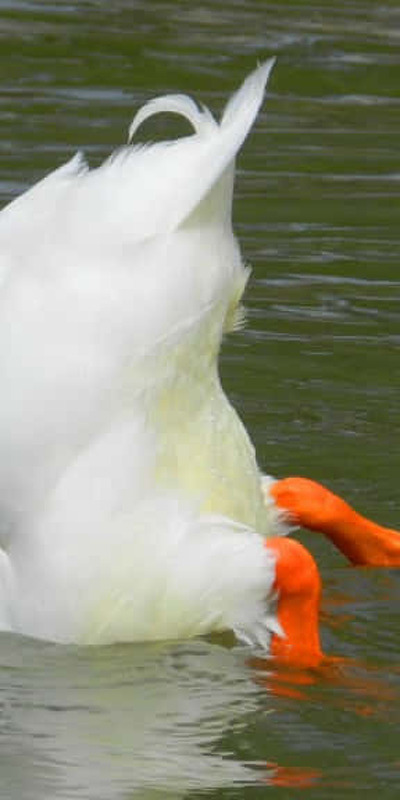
{"points": [[130, 498]]}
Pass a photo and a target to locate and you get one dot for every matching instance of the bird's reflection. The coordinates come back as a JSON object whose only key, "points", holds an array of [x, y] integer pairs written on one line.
{"points": [[126, 721], [161, 720]]}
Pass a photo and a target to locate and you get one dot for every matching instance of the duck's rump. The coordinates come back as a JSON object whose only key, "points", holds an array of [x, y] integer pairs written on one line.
{"points": [[123, 466]]}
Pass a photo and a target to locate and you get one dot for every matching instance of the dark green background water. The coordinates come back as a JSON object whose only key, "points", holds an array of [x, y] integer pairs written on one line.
{"points": [[315, 376]]}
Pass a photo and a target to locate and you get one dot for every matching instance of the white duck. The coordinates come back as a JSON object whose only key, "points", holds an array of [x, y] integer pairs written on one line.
{"points": [[130, 498]]}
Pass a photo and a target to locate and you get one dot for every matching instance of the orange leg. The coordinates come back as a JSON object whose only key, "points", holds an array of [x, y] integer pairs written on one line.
{"points": [[298, 590], [312, 506]]}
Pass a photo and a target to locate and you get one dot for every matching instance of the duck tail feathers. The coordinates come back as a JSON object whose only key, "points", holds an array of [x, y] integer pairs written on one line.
{"points": [[201, 119], [242, 108]]}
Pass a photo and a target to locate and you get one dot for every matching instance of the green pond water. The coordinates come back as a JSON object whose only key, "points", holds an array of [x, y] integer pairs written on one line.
{"points": [[314, 375]]}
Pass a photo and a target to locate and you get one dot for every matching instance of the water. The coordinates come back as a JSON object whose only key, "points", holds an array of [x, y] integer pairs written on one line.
{"points": [[315, 376]]}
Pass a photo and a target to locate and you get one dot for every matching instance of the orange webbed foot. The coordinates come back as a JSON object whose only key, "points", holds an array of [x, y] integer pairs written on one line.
{"points": [[306, 502], [313, 506]]}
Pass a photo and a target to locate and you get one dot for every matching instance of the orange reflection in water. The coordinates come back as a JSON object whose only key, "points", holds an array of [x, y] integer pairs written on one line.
{"points": [[365, 693], [296, 777], [365, 690]]}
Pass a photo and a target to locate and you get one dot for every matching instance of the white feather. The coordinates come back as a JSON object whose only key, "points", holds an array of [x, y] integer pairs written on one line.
{"points": [[201, 119], [129, 489]]}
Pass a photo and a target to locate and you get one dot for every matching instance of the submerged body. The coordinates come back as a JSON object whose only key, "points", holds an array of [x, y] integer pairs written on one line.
{"points": [[130, 495]]}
